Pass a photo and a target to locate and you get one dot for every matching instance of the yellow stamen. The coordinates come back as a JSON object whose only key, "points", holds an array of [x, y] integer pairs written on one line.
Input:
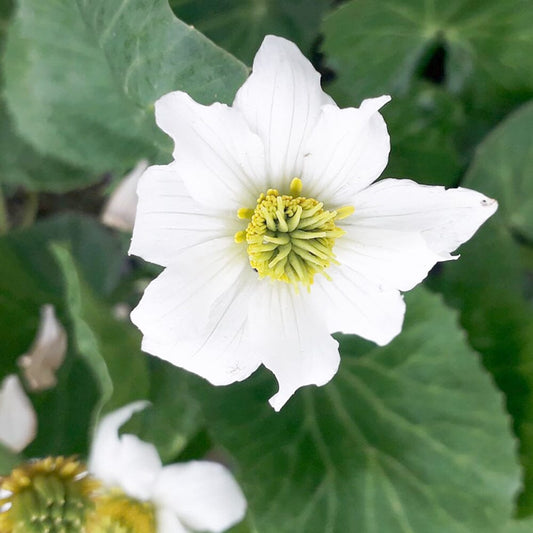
{"points": [[296, 187], [290, 237], [245, 213], [344, 212], [239, 237]]}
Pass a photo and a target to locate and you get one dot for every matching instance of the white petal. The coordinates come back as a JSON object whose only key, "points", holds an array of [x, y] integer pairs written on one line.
{"points": [[119, 210], [445, 218], [204, 495], [47, 352], [388, 258], [281, 102], [169, 220], [175, 306], [124, 461], [18, 421], [221, 352], [220, 160], [354, 304], [168, 522], [293, 338], [347, 151]]}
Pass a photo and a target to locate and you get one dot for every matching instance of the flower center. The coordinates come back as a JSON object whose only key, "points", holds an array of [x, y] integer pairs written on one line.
{"points": [[117, 513], [52, 494], [290, 237]]}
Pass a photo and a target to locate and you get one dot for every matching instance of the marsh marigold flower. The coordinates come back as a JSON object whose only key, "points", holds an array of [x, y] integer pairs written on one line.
{"points": [[274, 232]]}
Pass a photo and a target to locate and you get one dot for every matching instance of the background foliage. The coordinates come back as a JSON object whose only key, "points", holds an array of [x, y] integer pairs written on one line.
{"points": [[431, 433]]}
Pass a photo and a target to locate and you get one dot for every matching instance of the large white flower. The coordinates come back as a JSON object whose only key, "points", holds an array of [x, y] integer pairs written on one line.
{"points": [[191, 496], [273, 233]]}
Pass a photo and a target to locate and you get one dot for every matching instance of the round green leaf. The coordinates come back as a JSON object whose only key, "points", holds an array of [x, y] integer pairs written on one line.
{"points": [[409, 437], [81, 77]]}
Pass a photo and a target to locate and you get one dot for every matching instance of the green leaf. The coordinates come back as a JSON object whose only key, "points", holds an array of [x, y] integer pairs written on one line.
{"points": [[502, 169], [408, 437], [174, 417], [110, 347], [20, 164], [81, 77], [379, 48], [240, 25], [99, 252], [424, 128]]}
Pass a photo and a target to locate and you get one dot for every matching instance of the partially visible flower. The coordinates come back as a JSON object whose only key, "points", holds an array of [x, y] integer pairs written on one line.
{"points": [[192, 496], [47, 352], [274, 234], [18, 421], [119, 210]]}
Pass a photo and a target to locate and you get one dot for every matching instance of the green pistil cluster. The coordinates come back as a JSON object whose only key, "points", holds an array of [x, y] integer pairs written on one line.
{"points": [[57, 495], [290, 238], [52, 495]]}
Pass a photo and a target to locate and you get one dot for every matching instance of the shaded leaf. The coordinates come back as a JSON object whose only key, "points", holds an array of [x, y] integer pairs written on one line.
{"points": [[378, 48]]}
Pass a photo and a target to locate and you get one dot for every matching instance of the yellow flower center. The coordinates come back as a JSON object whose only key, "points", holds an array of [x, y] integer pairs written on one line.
{"points": [[48, 495], [117, 513], [290, 237]]}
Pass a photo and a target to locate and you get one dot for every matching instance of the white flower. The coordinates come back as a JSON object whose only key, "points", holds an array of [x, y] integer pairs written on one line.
{"points": [[18, 421], [47, 352], [119, 210], [192, 496], [273, 233]]}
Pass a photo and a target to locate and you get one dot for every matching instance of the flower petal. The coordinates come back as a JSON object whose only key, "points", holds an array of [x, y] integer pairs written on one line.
{"points": [[169, 220], [221, 352], [293, 338], [124, 461], [119, 210], [204, 495], [175, 306], [219, 159], [347, 151], [354, 304], [445, 218], [281, 102], [18, 421], [388, 258], [47, 352], [168, 522]]}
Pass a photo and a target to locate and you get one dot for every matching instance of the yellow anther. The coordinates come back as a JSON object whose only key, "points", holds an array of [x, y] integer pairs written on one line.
{"points": [[290, 238], [296, 187], [245, 213], [344, 211], [239, 237]]}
